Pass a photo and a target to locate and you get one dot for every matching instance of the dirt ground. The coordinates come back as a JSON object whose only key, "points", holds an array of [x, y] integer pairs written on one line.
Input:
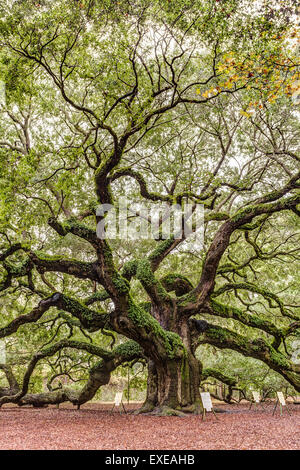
{"points": [[94, 427]]}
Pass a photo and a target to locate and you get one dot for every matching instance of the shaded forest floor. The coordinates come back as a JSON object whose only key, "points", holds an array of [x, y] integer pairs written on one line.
{"points": [[94, 427]]}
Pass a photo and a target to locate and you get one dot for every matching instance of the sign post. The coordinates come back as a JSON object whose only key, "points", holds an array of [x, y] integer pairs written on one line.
{"points": [[118, 402], [282, 404], [2, 352], [207, 404], [256, 400]]}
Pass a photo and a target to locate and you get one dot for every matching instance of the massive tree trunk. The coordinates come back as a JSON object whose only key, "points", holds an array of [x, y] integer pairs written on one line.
{"points": [[173, 380], [173, 385]]}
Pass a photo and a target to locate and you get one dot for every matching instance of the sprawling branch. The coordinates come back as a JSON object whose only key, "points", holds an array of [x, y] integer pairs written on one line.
{"points": [[222, 238], [269, 296], [254, 321], [76, 228], [98, 375], [206, 333], [216, 374], [90, 319], [79, 269], [31, 317]]}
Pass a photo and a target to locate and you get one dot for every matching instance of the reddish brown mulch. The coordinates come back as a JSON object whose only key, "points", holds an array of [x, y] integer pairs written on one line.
{"points": [[93, 427]]}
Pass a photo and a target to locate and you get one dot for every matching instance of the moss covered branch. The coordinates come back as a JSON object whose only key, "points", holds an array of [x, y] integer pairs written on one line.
{"points": [[252, 320], [73, 267], [98, 374], [269, 296], [31, 317], [223, 338], [216, 374], [76, 228]]}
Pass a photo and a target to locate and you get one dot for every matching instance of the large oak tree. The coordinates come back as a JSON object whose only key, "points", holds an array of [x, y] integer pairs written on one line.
{"points": [[160, 102]]}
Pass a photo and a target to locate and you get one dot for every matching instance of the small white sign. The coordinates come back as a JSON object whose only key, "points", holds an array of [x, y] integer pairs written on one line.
{"points": [[256, 397], [281, 398], [206, 401], [118, 398], [2, 352]]}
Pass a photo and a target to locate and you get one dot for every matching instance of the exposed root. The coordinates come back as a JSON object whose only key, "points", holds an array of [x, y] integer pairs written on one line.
{"points": [[147, 407], [220, 410], [195, 408], [166, 411]]}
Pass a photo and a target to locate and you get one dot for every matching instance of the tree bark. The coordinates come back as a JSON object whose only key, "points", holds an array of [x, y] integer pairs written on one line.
{"points": [[173, 382]]}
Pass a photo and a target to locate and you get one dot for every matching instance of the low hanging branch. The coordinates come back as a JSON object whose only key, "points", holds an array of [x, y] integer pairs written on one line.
{"points": [[98, 374]]}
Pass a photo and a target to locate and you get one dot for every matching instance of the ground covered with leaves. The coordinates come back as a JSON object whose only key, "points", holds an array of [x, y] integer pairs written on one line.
{"points": [[94, 427]]}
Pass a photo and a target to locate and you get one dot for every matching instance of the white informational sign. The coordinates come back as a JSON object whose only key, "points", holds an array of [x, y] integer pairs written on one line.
{"points": [[281, 398], [2, 352], [206, 401], [118, 398], [256, 397]]}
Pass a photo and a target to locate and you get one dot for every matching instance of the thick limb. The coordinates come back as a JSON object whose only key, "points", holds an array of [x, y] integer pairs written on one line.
{"points": [[98, 375], [257, 348]]}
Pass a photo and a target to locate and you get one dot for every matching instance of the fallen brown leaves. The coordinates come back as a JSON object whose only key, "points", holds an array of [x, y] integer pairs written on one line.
{"points": [[93, 427]]}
